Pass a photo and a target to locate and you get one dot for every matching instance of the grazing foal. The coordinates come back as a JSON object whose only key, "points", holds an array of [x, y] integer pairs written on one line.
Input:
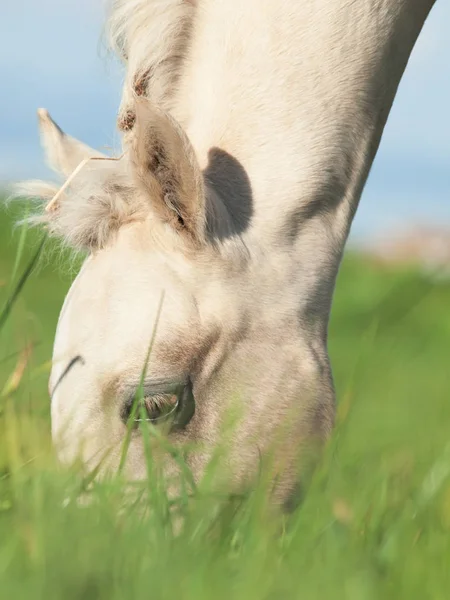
{"points": [[249, 130]]}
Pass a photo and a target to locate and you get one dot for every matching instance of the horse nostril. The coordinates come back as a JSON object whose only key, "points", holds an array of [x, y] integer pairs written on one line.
{"points": [[72, 363]]}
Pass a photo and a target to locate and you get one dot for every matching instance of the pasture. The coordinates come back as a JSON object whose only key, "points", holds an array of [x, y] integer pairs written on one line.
{"points": [[374, 521]]}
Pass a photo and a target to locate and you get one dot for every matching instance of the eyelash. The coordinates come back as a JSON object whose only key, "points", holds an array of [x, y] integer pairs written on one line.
{"points": [[157, 402], [174, 401]]}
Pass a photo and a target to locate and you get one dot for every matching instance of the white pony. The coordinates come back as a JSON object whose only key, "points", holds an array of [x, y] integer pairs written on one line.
{"points": [[249, 131]]}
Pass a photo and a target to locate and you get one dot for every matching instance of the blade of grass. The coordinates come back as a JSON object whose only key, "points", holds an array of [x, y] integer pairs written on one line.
{"points": [[9, 357], [175, 454], [20, 284], [139, 392], [21, 245], [16, 376]]}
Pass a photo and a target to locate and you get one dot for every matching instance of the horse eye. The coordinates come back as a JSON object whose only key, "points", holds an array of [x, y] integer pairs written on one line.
{"points": [[153, 408], [157, 407], [172, 402]]}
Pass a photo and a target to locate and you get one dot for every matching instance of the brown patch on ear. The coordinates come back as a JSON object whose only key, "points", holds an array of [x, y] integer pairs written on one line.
{"points": [[141, 83], [167, 171], [126, 123]]}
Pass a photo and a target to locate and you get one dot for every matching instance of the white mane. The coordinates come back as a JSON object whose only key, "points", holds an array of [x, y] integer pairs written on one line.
{"points": [[152, 37]]}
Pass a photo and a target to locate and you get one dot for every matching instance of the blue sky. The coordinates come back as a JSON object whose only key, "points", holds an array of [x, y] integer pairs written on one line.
{"points": [[51, 55]]}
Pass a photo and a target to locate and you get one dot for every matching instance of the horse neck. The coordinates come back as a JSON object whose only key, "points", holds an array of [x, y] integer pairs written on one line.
{"points": [[285, 104]]}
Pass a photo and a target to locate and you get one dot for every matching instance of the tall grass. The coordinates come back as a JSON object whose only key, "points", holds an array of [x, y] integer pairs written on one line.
{"points": [[375, 519]]}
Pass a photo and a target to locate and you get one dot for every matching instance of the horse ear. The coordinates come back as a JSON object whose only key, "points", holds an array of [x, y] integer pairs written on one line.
{"points": [[167, 172], [63, 152]]}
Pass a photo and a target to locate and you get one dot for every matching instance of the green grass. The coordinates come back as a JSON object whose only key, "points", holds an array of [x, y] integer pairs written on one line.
{"points": [[375, 521]]}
